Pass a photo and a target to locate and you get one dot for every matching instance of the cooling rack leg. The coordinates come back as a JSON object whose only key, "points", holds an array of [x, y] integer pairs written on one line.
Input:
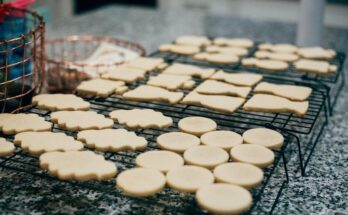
{"points": [[278, 196], [340, 87]]}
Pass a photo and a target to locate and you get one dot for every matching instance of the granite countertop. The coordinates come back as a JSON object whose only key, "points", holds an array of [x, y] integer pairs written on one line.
{"points": [[324, 189]]}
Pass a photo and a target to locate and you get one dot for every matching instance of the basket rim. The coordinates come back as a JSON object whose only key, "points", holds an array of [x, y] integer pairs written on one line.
{"points": [[86, 37]]}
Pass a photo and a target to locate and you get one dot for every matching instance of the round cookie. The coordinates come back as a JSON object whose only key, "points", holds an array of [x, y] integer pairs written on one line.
{"points": [[253, 154], [159, 160], [140, 182], [224, 198], [265, 137], [197, 125], [222, 139], [242, 174], [177, 141], [205, 156], [189, 178], [6, 148]]}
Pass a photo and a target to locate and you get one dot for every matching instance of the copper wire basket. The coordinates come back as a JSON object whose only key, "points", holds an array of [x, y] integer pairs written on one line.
{"points": [[22, 56], [65, 53]]}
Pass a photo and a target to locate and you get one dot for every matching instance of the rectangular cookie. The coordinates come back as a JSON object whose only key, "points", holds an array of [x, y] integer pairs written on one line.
{"points": [[213, 87], [168, 81], [239, 79]]}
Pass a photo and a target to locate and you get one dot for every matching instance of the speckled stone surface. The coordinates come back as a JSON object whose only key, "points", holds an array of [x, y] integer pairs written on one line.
{"points": [[323, 191]]}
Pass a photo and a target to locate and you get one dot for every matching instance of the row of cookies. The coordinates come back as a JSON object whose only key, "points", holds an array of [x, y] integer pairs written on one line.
{"points": [[196, 167]]}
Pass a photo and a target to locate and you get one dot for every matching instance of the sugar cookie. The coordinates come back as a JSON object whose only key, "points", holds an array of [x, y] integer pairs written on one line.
{"points": [[189, 178], [237, 42], [293, 92], [145, 63], [197, 125], [315, 66], [6, 147], [222, 139], [121, 90], [140, 182], [141, 118], [177, 141], [219, 103], [16, 123], [228, 50], [192, 40], [81, 120], [159, 160], [112, 140], [242, 174], [253, 154], [179, 49], [186, 69], [99, 87], [189, 84], [316, 53], [224, 199], [54, 102], [213, 87], [287, 57], [78, 165], [37, 143], [275, 104], [168, 81], [278, 48], [151, 93], [240, 79], [265, 137], [123, 73], [221, 58], [272, 65], [205, 156]]}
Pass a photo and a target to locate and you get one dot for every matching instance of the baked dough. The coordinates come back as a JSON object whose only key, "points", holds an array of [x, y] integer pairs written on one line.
{"points": [[99, 87], [159, 160], [179, 49], [189, 178], [186, 69], [240, 79], [112, 140], [197, 125], [121, 90], [37, 143], [141, 118], [316, 53], [315, 66], [213, 87], [205, 156], [219, 103], [220, 58], [177, 141], [275, 104], [271, 65], [287, 57], [253, 154], [293, 92], [278, 48], [78, 165], [168, 81], [192, 40], [145, 63], [81, 120], [242, 174], [16, 123], [265, 137], [54, 102], [140, 182], [236, 42], [151, 93], [123, 73], [224, 198], [189, 84], [227, 50], [222, 139], [6, 147]]}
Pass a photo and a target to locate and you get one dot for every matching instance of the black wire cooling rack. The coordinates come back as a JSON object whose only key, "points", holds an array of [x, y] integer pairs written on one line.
{"points": [[169, 201]]}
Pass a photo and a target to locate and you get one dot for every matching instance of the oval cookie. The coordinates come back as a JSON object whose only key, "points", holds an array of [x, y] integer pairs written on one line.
{"points": [[265, 137], [205, 156], [253, 154], [197, 125], [222, 139], [6, 147], [159, 160], [189, 178], [177, 141]]}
